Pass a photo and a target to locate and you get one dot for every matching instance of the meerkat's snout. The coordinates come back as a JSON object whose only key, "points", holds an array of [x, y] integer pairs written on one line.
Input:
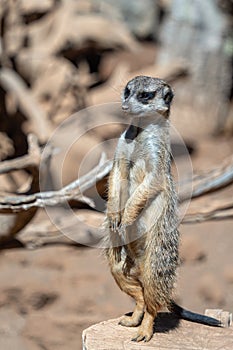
{"points": [[125, 106]]}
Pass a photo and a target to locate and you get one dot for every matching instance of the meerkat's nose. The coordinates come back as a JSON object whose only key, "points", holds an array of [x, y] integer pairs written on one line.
{"points": [[125, 106]]}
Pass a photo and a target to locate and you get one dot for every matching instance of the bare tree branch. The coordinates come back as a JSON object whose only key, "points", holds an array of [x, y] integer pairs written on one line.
{"points": [[215, 210], [212, 180], [51, 198], [33, 158], [203, 184], [14, 222]]}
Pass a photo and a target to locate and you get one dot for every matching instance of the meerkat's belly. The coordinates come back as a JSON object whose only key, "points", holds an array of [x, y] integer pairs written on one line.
{"points": [[146, 225], [152, 213]]}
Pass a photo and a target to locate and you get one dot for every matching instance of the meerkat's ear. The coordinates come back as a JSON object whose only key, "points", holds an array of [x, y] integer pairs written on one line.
{"points": [[168, 95]]}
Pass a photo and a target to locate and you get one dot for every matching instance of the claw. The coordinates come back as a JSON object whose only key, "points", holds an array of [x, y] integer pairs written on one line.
{"points": [[143, 336], [113, 225], [114, 219], [139, 338]]}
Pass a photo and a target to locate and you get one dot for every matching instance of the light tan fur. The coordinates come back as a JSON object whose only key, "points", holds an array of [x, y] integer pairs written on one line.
{"points": [[141, 218]]}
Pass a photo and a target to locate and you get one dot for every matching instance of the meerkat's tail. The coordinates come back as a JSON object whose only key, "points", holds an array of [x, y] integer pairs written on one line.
{"points": [[192, 316]]}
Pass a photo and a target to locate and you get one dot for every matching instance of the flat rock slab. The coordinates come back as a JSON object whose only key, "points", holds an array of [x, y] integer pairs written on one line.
{"points": [[170, 334]]}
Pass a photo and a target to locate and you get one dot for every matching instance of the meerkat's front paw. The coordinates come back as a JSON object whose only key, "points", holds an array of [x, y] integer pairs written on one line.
{"points": [[114, 220]]}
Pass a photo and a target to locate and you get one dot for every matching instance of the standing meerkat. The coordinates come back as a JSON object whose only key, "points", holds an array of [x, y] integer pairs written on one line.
{"points": [[141, 218]]}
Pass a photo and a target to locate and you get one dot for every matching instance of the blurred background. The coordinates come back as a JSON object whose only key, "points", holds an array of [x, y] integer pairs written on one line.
{"points": [[57, 58]]}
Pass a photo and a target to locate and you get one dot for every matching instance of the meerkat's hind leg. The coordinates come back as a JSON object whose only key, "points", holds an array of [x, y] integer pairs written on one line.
{"points": [[136, 318], [133, 288], [145, 331]]}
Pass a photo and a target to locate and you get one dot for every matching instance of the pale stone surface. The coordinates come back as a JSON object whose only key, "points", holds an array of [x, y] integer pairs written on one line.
{"points": [[170, 334]]}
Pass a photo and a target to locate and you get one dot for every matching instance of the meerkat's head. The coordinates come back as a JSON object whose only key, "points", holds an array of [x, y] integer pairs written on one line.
{"points": [[144, 96]]}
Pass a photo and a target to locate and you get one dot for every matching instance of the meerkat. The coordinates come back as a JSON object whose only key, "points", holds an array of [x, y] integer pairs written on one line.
{"points": [[141, 216]]}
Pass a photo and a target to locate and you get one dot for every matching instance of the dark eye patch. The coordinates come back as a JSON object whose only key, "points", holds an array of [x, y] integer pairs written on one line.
{"points": [[145, 96], [126, 92]]}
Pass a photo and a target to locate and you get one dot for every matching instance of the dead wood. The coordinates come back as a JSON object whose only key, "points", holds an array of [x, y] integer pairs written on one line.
{"points": [[11, 223], [83, 229], [6, 146], [35, 8], [68, 28], [73, 191], [202, 184], [32, 159], [210, 181], [14, 84], [210, 210]]}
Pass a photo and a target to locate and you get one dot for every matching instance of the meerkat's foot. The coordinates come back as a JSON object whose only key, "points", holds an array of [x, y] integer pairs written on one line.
{"points": [[145, 331], [131, 321], [136, 318], [143, 334]]}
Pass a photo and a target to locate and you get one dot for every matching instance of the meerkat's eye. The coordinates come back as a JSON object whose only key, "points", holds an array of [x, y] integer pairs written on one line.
{"points": [[168, 97], [146, 95], [126, 92]]}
